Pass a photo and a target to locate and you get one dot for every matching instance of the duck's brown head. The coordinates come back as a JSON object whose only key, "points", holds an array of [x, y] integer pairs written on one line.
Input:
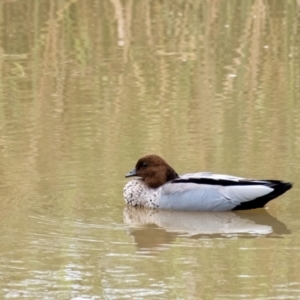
{"points": [[153, 170]]}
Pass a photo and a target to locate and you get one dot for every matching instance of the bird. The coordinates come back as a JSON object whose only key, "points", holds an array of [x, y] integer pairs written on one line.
{"points": [[158, 186]]}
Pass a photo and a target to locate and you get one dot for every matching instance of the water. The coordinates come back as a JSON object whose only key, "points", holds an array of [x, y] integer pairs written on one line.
{"points": [[87, 88]]}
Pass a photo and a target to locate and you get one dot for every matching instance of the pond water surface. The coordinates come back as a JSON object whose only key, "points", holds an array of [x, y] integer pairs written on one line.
{"points": [[87, 88]]}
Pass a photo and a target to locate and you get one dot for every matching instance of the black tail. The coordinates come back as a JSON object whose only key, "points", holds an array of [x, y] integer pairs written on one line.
{"points": [[279, 187]]}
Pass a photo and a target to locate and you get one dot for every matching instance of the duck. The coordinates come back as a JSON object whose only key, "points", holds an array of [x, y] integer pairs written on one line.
{"points": [[158, 186]]}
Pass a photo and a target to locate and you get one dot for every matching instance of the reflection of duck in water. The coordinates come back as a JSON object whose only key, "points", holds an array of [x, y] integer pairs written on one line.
{"points": [[160, 186], [146, 225]]}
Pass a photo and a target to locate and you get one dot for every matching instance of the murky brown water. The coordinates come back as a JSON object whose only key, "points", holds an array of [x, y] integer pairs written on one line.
{"points": [[88, 87]]}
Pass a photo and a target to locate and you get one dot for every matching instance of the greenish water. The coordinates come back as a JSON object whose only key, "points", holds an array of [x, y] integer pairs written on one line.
{"points": [[87, 88]]}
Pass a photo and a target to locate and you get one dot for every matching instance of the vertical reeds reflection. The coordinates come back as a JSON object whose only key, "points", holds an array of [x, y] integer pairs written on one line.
{"points": [[88, 86], [117, 79]]}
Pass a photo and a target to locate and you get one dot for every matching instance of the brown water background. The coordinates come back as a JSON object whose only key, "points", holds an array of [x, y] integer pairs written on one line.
{"points": [[87, 87]]}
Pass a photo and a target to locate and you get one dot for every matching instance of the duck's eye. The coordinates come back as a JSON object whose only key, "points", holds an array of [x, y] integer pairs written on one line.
{"points": [[144, 165]]}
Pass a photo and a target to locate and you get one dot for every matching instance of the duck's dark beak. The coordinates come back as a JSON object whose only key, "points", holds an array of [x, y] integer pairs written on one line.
{"points": [[131, 173]]}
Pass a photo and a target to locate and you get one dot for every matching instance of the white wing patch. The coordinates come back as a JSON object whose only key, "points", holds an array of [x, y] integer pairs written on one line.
{"points": [[240, 193], [212, 176]]}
